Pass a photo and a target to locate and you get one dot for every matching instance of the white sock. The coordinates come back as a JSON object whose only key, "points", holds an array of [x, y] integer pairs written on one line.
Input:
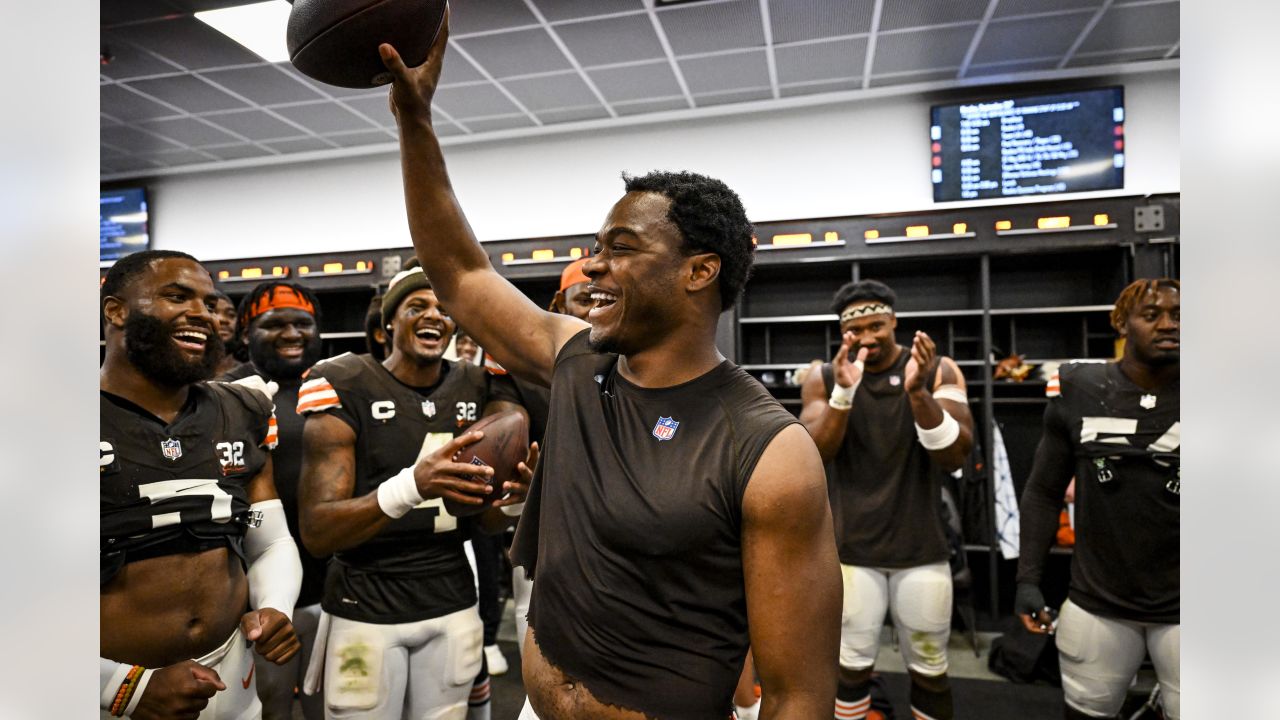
{"points": [[751, 712]]}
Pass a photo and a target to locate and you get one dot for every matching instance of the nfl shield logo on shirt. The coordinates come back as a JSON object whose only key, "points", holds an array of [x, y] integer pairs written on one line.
{"points": [[429, 408], [666, 428], [171, 448]]}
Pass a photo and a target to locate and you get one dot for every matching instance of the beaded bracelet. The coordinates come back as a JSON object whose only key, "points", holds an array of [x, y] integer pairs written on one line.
{"points": [[125, 693]]}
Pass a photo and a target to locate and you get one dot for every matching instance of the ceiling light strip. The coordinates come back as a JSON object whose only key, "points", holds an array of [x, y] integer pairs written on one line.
{"points": [[767, 26]]}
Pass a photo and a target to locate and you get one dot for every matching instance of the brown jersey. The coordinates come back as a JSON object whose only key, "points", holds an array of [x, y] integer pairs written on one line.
{"points": [[632, 532]]}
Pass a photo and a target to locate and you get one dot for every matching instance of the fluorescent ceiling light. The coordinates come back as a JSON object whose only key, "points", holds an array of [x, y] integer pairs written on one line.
{"points": [[259, 27]]}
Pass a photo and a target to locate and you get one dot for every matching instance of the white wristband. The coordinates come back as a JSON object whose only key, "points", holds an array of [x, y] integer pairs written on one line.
{"points": [[842, 397], [137, 692], [397, 495], [512, 510], [939, 437]]}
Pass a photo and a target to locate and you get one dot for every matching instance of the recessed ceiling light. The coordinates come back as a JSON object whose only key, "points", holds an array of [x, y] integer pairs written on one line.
{"points": [[259, 27]]}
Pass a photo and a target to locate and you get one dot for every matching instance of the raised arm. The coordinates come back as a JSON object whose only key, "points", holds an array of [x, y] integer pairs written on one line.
{"points": [[792, 579], [519, 335], [935, 384], [826, 418]]}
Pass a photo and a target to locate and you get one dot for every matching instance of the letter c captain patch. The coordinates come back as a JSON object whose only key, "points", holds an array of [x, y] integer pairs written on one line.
{"points": [[665, 429]]}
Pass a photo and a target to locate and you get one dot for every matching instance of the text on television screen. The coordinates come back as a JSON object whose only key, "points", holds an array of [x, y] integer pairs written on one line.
{"points": [[122, 219], [1036, 145]]}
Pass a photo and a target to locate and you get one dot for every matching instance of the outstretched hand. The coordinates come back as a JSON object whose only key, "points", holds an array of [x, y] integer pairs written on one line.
{"points": [[413, 88], [517, 490], [923, 363]]}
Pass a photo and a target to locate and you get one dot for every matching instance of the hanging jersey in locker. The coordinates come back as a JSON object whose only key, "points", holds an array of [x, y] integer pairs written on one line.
{"points": [[182, 486], [415, 568]]}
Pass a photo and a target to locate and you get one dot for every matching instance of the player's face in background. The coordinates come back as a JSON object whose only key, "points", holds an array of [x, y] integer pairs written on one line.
{"points": [[874, 332], [634, 274], [1152, 328], [171, 332], [284, 342], [466, 347], [226, 313], [420, 329], [575, 300]]}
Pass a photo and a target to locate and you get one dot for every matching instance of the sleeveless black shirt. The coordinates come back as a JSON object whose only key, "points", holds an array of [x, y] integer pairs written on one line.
{"points": [[883, 486], [632, 531]]}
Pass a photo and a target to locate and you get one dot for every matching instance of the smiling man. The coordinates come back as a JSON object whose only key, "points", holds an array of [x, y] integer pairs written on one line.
{"points": [[405, 632], [196, 558], [1115, 427], [674, 492], [889, 422], [280, 323]]}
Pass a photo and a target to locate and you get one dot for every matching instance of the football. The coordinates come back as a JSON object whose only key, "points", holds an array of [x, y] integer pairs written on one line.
{"points": [[504, 446], [336, 41]]}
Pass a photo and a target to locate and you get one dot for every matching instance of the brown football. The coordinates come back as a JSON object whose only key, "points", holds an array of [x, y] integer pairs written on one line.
{"points": [[504, 446]]}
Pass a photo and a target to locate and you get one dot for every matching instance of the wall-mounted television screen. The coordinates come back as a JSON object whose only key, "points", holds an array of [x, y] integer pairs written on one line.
{"points": [[1034, 145], [124, 223]]}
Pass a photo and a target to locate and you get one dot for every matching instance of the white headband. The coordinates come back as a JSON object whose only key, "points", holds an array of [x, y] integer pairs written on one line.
{"points": [[868, 309]]}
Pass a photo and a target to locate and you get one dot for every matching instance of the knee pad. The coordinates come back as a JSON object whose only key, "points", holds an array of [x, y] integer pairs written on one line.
{"points": [[862, 616], [922, 609], [353, 668]]}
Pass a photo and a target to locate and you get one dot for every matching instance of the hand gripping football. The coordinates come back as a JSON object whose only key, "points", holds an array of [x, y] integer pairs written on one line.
{"points": [[504, 446], [336, 41]]}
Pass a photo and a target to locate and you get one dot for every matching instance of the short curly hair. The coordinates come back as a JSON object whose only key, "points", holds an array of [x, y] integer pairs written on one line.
{"points": [[711, 218], [860, 291], [1131, 295]]}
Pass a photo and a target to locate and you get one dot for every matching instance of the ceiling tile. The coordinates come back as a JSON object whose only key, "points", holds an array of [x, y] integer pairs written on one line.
{"points": [[375, 108], [613, 40], [1012, 67], [264, 85], [563, 115], [361, 138], [469, 17], [927, 49], [1032, 38], [188, 131], [794, 20], [474, 101], [1124, 56], [1008, 8], [129, 11], [128, 61], [444, 129], [552, 91], [820, 61], [331, 90], [915, 77], [179, 157], [237, 152], [726, 72], [652, 106], [522, 52], [1126, 27], [556, 10], [636, 82], [735, 96], [458, 70], [299, 145], [135, 141], [127, 106], [708, 28], [510, 122], [898, 14], [187, 92], [821, 87], [255, 125], [188, 42], [326, 117]]}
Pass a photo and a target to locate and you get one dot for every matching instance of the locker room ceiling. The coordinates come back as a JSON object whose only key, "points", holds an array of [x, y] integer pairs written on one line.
{"points": [[178, 96]]}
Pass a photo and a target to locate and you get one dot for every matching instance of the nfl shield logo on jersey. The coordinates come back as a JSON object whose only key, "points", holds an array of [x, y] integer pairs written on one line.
{"points": [[171, 448], [428, 408], [666, 428]]}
